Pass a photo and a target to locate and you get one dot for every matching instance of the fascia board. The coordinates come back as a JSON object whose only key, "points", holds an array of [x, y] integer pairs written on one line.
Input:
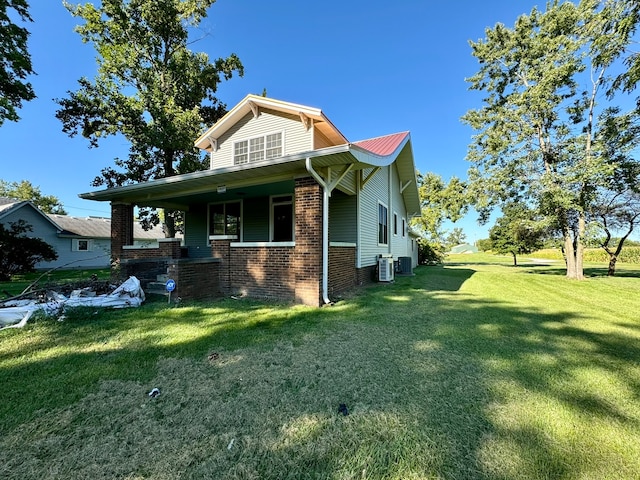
{"points": [[140, 188], [243, 108]]}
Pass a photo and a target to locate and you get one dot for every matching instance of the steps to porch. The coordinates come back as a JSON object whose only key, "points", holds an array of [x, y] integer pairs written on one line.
{"points": [[158, 286]]}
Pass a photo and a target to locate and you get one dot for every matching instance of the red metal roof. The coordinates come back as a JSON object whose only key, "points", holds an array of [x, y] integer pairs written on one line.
{"points": [[383, 145]]}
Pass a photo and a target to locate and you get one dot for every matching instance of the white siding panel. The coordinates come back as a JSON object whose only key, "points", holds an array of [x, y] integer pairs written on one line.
{"points": [[296, 138], [400, 246], [375, 190]]}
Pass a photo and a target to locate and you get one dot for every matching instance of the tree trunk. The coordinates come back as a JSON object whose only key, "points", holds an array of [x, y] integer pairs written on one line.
{"points": [[570, 255], [515, 262], [169, 225], [612, 264], [574, 252], [580, 247]]}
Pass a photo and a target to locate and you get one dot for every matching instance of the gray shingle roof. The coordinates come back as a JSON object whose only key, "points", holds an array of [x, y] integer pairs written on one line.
{"points": [[89, 227], [99, 227]]}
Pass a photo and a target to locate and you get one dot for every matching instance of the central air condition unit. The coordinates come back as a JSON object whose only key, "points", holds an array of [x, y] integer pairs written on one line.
{"points": [[404, 265], [385, 268]]}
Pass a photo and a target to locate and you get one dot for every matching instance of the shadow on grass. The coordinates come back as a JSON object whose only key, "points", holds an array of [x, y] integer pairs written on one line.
{"points": [[422, 366]]}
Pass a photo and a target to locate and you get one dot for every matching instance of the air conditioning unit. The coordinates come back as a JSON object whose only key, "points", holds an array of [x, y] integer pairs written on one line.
{"points": [[385, 268], [404, 265]]}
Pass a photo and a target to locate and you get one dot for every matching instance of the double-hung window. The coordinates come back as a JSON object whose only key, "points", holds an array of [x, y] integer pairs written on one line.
{"points": [[256, 149], [224, 219], [282, 218], [383, 224]]}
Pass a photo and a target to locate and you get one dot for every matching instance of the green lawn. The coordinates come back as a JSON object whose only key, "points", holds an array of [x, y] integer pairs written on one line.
{"points": [[470, 370]]}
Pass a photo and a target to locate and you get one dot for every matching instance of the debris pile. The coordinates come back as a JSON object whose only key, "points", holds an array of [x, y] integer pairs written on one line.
{"points": [[16, 311]]}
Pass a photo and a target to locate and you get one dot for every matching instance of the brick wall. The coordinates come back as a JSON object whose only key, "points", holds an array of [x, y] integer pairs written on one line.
{"points": [[167, 248], [145, 270], [342, 269], [307, 262], [220, 249], [366, 275], [263, 272], [121, 230], [195, 279]]}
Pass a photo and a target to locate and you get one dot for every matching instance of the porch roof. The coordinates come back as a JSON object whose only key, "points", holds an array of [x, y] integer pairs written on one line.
{"points": [[171, 192]]}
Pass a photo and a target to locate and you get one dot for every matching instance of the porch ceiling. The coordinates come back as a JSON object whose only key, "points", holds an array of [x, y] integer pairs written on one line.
{"points": [[173, 192], [179, 191]]}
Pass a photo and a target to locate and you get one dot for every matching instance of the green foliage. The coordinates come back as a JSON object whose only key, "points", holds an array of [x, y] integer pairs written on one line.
{"points": [[149, 88], [25, 190], [517, 232], [15, 60], [439, 202], [19, 253], [484, 244], [429, 253], [454, 237], [542, 138]]}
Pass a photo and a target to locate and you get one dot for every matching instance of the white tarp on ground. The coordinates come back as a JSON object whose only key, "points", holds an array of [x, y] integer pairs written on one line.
{"points": [[16, 313]]}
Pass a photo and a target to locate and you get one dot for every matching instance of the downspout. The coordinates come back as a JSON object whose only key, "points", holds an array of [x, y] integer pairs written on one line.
{"points": [[327, 188], [325, 230]]}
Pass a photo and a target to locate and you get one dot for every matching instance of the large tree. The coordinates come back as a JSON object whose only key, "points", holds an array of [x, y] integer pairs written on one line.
{"points": [[539, 139], [25, 190], [149, 87], [15, 60]]}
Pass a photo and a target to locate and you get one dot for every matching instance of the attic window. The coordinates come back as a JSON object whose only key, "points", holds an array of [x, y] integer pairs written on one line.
{"points": [[255, 149]]}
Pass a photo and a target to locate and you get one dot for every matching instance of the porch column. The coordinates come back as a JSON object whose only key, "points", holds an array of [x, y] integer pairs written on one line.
{"points": [[307, 259], [121, 230]]}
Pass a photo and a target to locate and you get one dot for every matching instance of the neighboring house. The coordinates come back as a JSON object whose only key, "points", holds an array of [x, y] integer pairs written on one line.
{"points": [[289, 208], [79, 242]]}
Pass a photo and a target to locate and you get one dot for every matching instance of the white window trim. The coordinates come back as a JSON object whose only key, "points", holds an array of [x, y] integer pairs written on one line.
{"points": [[225, 237], [264, 137], [75, 247], [378, 224], [404, 227], [395, 224], [293, 214]]}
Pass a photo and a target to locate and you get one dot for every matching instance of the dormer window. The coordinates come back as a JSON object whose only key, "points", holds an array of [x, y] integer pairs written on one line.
{"points": [[255, 149]]}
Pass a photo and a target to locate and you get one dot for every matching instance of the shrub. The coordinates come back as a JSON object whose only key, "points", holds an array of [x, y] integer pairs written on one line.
{"points": [[20, 253]]}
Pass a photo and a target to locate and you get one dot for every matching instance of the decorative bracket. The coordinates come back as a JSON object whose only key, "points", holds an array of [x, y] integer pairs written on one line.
{"points": [[364, 180], [306, 121], [254, 109], [214, 143], [404, 187]]}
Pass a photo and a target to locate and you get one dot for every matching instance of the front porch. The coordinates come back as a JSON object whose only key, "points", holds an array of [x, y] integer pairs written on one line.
{"points": [[249, 254]]}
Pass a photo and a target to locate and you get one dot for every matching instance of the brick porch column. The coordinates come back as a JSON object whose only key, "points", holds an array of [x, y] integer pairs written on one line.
{"points": [[307, 258], [121, 230]]}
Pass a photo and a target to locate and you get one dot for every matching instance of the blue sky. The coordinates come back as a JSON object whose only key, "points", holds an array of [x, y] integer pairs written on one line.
{"points": [[373, 67]]}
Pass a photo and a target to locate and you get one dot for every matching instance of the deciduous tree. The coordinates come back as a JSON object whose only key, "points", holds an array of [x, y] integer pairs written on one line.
{"points": [[15, 60], [25, 190], [439, 201], [539, 136], [149, 87], [517, 232]]}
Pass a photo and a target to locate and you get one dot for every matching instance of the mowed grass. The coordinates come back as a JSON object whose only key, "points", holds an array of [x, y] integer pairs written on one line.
{"points": [[474, 369]]}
